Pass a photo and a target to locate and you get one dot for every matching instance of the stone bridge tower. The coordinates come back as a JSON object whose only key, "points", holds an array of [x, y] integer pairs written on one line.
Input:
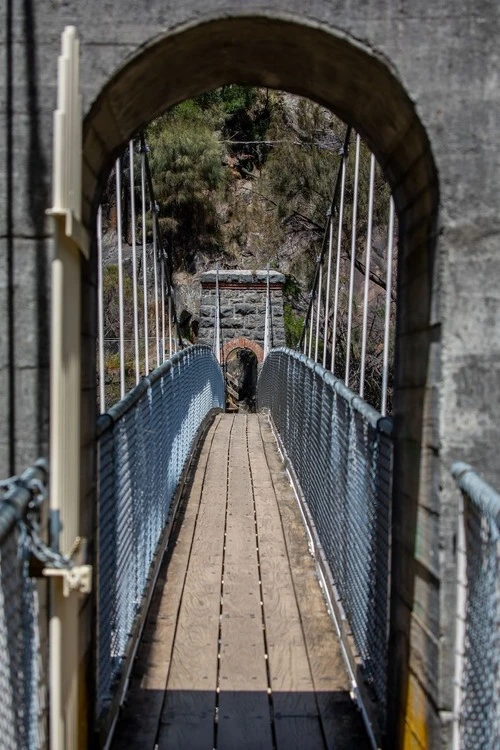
{"points": [[242, 315], [242, 298]]}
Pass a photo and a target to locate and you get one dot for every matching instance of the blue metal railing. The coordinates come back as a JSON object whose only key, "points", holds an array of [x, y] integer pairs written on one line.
{"points": [[477, 666], [144, 443], [341, 452], [22, 689]]}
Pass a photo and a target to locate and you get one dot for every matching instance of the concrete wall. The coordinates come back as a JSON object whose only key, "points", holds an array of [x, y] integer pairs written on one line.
{"points": [[242, 299], [420, 81]]}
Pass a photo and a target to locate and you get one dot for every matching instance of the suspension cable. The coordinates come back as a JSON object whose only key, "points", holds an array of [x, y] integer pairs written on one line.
{"points": [[328, 280], [154, 215], [367, 277], [318, 311], [333, 204], [217, 316], [162, 286], [134, 262], [144, 256], [118, 179], [337, 268], [100, 313], [168, 264], [387, 322], [353, 260]]}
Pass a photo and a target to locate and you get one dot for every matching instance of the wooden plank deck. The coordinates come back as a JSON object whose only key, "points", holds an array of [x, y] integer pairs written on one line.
{"points": [[239, 651]]}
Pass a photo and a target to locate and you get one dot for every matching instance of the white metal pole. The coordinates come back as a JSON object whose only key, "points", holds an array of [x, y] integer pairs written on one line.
{"points": [[120, 273], [328, 278], [304, 350], [162, 281], [318, 312], [367, 277], [170, 322], [100, 313], [337, 269], [144, 262], [134, 262], [388, 297], [217, 316], [311, 326], [353, 260], [154, 216], [266, 322]]}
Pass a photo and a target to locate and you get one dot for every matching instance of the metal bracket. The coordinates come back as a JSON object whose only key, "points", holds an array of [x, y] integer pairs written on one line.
{"points": [[78, 578], [76, 574]]}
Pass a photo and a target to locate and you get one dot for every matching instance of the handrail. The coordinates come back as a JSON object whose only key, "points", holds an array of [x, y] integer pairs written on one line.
{"points": [[372, 416], [15, 504], [482, 494], [106, 421]]}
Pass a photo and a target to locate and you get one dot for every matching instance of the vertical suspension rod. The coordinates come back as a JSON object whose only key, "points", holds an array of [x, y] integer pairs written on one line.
{"points": [[388, 297], [217, 316], [267, 318], [100, 313], [144, 257], [168, 264], [364, 333], [154, 216], [337, 268], [333, 203], [162, 285], [311, 324], [353, 261], [118, 179], [318, 312], [170, 344], [328, 281], [134, 262]]}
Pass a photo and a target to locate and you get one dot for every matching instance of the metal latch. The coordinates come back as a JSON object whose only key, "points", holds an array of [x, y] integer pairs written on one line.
{"points": [[77, 578], [76, 575]]}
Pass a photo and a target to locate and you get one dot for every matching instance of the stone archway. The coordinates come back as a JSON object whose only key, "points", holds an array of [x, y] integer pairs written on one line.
{"points": [[300, 55], [242, 343]]}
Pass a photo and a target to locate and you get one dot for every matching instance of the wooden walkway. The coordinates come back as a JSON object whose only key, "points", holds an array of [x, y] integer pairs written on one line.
{"points": [[238, 650]]}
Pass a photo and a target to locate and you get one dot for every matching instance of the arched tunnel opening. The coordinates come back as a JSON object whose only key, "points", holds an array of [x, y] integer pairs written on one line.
{"points": [[241, 371]]}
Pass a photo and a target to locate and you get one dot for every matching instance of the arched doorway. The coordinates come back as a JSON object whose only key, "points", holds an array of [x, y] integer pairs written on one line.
{"points": [[241, 370], [349, 79]]}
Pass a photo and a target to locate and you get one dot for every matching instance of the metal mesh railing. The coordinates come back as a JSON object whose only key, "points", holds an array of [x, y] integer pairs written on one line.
{"points": [[144, 442], [22, 697], [341, 451], [477, 678]]}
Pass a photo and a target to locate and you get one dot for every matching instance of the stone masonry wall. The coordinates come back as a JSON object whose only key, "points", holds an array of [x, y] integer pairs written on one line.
{"points": [[242, 307]]}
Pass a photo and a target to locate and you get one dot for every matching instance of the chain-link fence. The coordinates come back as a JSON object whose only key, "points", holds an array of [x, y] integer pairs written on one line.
{"points": [[477, 675], [144, 442], [341, 452], [22, 692]]}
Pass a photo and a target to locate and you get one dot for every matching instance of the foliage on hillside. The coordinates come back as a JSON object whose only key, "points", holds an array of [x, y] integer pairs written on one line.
{"points": [[245, 177]]}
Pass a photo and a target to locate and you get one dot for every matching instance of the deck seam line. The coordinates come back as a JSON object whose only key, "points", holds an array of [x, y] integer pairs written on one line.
{"points": [[221, 607], [261, 591], [179, 607], [311, 673]]}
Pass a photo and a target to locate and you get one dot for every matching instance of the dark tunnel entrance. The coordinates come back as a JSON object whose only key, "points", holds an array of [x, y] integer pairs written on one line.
{"points": [[241, 380]]}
